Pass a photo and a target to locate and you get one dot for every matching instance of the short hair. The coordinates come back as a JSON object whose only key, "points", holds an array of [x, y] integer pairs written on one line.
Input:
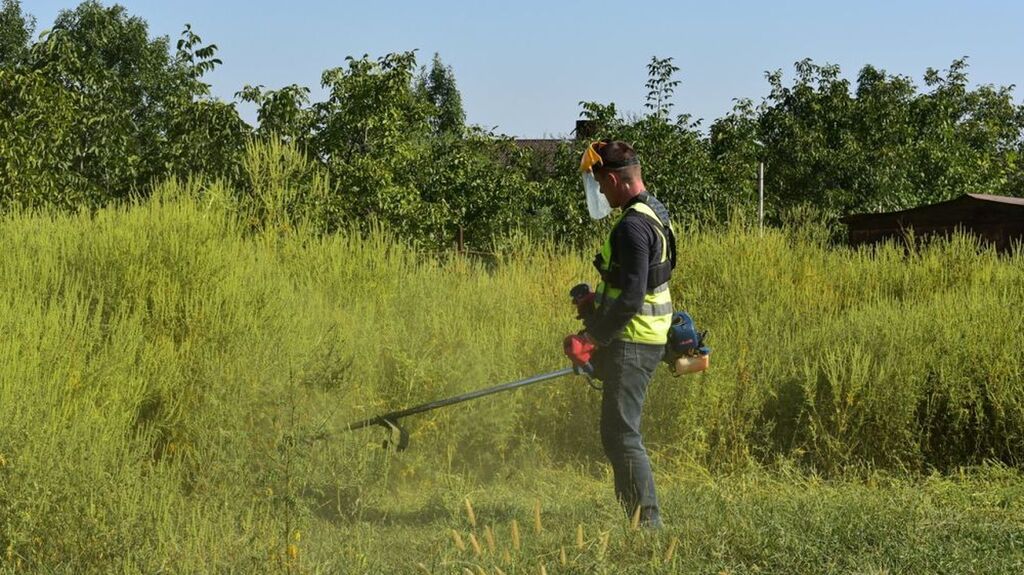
{"points": [[618, 156]]}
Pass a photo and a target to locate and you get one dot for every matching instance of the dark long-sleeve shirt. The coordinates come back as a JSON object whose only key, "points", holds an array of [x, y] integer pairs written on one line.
{"points": [[636, 246]]}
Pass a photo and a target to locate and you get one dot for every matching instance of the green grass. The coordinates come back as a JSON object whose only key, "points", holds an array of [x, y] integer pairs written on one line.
{"points": [[163, 367], [746, 523]]}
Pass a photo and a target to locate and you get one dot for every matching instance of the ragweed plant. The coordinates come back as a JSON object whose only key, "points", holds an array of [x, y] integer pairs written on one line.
{"points": [[161, 361]]}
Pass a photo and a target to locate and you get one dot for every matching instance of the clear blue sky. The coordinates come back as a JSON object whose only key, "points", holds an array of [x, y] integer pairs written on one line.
{"points": [[523, 66]]}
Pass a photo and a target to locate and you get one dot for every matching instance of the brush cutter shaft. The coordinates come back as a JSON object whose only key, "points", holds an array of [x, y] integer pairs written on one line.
{"points": [[394, 416]]}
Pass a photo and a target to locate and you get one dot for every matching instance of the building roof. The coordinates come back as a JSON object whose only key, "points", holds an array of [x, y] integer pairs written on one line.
{"points": [[1001, 199], [966, 200], [540, 145]]}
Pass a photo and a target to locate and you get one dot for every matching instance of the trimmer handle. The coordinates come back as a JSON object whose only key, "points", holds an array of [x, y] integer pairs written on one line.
{"points": [[583, 299], [585, 369], [579, 291]]}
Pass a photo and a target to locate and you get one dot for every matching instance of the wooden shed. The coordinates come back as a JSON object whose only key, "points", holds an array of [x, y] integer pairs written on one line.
{"points": [[996, 219]]}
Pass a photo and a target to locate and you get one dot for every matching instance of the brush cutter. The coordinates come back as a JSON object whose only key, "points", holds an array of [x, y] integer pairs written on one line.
{"points": [[685, 353], [389, 421], [575, 347]]}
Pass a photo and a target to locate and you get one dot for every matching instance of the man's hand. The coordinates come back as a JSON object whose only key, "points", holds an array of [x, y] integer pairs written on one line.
{"points": [[583, 299], [578, 347]]}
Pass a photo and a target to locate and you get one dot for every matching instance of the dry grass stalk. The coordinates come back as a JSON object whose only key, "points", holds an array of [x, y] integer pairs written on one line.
{"points": [[562, 557], [537, 526], [543, 569], [604, 544], [489, 538], [671, 551], [476, 545], [458, 541], [516, 540], [470, 514], [423, 568], [635, 522], [498, 571], [506, 556], [579, 536]]}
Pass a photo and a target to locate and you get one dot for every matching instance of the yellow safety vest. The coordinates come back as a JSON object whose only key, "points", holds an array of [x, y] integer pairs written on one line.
{"points": [[652, 322]]}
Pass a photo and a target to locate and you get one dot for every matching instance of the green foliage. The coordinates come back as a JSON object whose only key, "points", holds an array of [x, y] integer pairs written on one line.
{"points": [[368, 133], [282, 112], [98, 108], [559, 211], [195, 58], [493, 196], [372, 110], [105, 59], [966, 133], [96, 111], [15, 32], [882, 146], [397, 153], [438, 87], [283, 191], [205, 137], [37, 147], [676, 160], [604, 116], [202, 135], [660, 86], [167, 362]]}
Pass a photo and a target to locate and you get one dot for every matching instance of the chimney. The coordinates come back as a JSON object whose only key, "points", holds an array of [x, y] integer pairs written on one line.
{"points": [[585, 129]]}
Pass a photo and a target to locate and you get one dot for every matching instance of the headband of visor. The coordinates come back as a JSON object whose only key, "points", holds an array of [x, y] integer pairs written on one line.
{"points": [[597, 204], [592, 159]]}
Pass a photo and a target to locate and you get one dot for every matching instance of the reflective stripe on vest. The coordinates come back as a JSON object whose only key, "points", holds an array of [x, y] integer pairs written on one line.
{"points": [[652, 322]]}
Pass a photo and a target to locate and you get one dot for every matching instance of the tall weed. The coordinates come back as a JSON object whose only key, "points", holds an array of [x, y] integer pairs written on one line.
{"points": [[172, 375]]}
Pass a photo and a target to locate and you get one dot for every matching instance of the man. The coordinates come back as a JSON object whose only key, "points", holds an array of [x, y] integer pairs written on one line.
{"points": [[632, 314]]}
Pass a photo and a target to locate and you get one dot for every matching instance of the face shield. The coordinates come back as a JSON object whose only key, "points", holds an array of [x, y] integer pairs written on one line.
{"points": [[597, 204]]}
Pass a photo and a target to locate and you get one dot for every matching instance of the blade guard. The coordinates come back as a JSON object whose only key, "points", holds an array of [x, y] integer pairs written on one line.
{"points": [[393, 428]]}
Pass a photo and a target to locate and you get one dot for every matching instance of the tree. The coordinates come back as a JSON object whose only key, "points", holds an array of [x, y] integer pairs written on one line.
{"points": [[806, 131], [203, 135], [735, 150], [885, 146], [97, 110], [604, 117], [660, 85], [15, 32], [368, 133], [438, 87], [965, 138], [284, 112], [677, 165], [884, 128]]}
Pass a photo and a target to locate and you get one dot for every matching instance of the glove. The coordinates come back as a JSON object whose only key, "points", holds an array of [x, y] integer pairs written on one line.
{"points": [[578, 347], [583, 299], [585, 306]]}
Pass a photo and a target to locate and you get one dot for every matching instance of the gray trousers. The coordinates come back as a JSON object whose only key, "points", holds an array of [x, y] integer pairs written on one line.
{"points": [[626, 368]]}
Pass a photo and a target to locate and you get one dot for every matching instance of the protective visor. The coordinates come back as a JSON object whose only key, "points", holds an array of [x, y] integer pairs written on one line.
{"points": [[597, 204], [591, 157]]}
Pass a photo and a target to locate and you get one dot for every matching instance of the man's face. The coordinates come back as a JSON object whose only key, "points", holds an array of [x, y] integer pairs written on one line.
{"points": [[609, 188]]}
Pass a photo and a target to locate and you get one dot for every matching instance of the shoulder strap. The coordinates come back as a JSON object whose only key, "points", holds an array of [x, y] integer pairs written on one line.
{"points": [[660, 219]]}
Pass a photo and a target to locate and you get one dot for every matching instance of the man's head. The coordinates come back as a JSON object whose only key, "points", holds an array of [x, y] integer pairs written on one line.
{"points": [[617, 171]]}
